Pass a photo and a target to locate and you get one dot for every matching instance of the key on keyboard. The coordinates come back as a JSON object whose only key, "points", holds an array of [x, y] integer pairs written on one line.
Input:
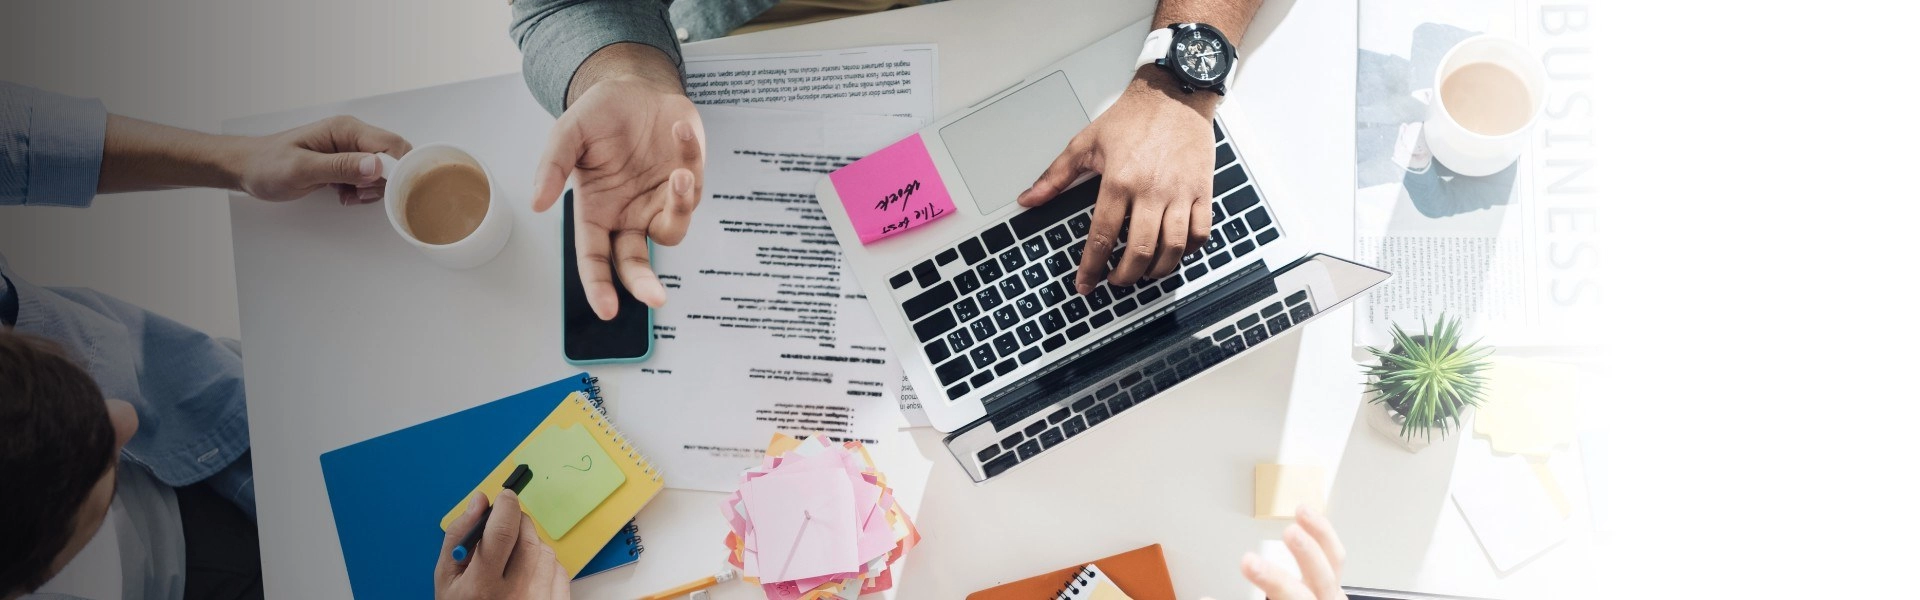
{"points": [[972, 251], [1225, 181], [1011, 260], [1021, 284], [1005, 317]]}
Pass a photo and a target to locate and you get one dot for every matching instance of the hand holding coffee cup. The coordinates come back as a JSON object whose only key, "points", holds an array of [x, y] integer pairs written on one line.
{"points": [[334, 152], [1488, 93], [443, 200]]}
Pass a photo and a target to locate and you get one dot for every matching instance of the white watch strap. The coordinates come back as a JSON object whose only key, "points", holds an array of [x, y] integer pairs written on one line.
{"points": [[1158, 41]]}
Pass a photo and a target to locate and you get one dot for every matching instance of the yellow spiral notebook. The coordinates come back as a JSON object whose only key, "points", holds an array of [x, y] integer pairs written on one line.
{"points": [[588, 482], [1091, 584]]}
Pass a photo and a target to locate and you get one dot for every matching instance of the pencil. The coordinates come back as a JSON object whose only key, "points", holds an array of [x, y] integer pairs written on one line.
{"points": [[691, 586]]}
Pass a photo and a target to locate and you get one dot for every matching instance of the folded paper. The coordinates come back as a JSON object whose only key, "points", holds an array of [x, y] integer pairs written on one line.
{"points": [[816, 521]]}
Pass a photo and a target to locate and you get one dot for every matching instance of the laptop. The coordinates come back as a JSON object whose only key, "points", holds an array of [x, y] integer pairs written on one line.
{"points": [[980, 307]]}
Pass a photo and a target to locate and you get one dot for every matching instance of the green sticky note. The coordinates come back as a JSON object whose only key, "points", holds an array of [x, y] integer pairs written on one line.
{"points": [[571, 475]]}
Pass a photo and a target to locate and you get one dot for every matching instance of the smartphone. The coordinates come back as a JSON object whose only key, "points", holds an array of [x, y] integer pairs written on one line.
{"points": [[586, 339]]}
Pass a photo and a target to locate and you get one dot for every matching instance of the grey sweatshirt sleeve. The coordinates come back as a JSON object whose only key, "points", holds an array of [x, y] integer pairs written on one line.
{"points": [[50, 147], [556, 36]]}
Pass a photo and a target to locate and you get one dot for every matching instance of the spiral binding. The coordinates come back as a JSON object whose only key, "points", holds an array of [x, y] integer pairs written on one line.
{"points": [[1080, 581], [634, 545], [590, 386], [597, 411]]}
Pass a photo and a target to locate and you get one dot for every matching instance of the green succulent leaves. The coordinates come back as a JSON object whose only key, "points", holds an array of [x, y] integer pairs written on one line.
{"points": [[1430, 379]]}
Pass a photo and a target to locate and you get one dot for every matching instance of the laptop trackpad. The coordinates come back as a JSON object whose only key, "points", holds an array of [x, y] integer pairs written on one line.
{"points": [[1001, 148]]}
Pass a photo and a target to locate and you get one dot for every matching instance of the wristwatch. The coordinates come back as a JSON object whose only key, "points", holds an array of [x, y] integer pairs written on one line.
{"points": [[1197, 55]]}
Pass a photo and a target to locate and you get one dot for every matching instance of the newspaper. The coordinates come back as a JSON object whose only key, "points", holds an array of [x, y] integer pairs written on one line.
{"points": [[1515, 254]]}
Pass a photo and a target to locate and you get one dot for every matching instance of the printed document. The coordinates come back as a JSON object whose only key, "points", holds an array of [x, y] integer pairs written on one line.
{"points": [[874, 80], [763, 330]]}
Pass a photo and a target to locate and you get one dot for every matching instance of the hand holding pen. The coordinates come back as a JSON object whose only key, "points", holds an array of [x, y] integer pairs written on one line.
{"points": [[508, 561]]}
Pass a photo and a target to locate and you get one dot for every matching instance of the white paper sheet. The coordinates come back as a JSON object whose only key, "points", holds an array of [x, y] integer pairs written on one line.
{"points": [[763, 330], [873, 80], [1505, 504]]}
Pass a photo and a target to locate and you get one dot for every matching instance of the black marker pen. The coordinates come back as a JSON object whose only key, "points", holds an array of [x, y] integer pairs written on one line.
{"points": [[516, 481]]}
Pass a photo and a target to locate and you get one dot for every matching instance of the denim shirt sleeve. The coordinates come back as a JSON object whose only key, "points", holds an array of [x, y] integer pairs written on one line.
{"points": [[556, 36], [50, 147], [185, 386]]}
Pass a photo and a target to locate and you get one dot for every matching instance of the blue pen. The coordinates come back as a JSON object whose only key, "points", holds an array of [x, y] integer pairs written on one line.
{"points": [[516, 481]]}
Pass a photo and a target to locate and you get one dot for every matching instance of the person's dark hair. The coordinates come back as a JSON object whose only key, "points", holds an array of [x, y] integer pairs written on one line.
{"points": [[56, 441]]}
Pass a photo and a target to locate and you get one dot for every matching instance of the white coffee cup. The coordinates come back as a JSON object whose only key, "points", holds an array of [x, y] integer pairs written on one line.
{"points": [[477, 247], [1468, 152]]}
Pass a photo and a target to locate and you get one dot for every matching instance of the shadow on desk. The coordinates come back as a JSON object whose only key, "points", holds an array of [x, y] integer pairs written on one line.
{"points": [[1176, 470], [1399, 494], [1264, 22]]}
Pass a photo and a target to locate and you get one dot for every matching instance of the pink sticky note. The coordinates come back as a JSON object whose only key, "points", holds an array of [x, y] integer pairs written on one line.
{"points": [[730, 508], [876, 535], [813, 582], [892, 190], [878, 584], [783, 590], [802, 524]]}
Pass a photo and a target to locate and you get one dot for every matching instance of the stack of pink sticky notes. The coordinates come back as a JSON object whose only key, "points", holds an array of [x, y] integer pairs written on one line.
{"points": [[816, 521]]}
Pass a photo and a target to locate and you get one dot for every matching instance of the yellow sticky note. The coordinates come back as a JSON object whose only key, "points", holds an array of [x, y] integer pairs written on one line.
{"points": [[782, 444], [1279, 489], [1529, 406], [1551, 483], [571, 476], [1106, 590]]}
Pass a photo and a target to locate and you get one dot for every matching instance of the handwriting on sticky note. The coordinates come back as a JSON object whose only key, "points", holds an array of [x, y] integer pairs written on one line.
{"points": [[899, 203], [892, 190], [899, 198], [566, 486]]}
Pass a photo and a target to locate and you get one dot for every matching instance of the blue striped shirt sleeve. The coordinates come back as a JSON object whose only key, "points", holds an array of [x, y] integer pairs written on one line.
{"points": [[50, 147]]}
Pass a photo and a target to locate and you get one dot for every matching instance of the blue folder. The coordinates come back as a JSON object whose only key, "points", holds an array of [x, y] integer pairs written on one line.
{"points": [[388, 493]]}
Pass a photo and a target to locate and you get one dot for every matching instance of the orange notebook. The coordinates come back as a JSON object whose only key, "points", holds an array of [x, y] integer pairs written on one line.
{"points": [[1141, 573]]}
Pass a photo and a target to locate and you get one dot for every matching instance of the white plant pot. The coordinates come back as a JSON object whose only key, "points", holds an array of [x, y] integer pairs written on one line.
{"points": [[1383, 419], [1386, 422]]}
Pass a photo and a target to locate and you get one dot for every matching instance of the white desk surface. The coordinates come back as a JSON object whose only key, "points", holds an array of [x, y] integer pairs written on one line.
{"points": [[351, 334]]}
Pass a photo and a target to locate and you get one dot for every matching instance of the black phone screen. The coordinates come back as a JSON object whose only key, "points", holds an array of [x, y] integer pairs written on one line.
{"points": [[628, 337]]}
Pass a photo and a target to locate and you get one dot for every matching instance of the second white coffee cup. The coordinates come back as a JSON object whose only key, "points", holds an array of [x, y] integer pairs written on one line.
{"points": [[1473, 153], [477, 247]]}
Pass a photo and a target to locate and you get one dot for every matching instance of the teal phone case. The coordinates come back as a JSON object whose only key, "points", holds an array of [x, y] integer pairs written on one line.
{"points": [[651, 340]]}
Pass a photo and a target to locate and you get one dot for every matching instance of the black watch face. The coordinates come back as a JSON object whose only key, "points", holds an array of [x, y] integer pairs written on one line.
{"points": [[1201, 54]]}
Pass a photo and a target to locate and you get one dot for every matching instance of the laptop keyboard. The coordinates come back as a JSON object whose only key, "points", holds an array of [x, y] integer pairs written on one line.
{"points": [[1012, 301], [1155, 375]]}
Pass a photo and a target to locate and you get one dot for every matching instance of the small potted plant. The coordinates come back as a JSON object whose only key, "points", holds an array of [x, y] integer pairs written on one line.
{"points": [[1425, 382]]}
